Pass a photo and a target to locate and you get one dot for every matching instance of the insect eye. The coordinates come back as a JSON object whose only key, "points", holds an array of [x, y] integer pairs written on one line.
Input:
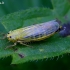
{"points": [[10, 37], [8, 33]]}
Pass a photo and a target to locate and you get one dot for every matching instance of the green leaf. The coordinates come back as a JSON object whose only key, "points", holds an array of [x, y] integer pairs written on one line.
{"points": [[60, 7], [51, 47], [67, 16], [17, 18]]}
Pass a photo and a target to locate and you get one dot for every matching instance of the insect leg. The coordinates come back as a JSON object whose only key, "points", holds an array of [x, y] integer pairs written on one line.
{"points": [[11, 46], [21, 42]]}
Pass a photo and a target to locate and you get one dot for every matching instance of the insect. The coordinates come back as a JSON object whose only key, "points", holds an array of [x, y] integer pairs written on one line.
{"points": [[35, 32], [65, 30]]}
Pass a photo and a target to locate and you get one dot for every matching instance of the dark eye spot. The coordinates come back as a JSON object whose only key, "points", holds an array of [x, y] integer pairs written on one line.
{"points": [[8, 33], [10, 37]]}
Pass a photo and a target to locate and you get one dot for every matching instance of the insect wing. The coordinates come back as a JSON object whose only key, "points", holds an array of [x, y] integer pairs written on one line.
{"points": [[41, 29]]}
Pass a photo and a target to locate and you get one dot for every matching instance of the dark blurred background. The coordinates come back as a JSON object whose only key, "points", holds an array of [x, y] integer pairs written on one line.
{"points": [[57, 63], [11, 6]]}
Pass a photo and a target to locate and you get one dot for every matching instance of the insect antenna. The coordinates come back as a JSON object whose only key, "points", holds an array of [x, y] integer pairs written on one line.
{"points": [[3, 34], [3, 37]]}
